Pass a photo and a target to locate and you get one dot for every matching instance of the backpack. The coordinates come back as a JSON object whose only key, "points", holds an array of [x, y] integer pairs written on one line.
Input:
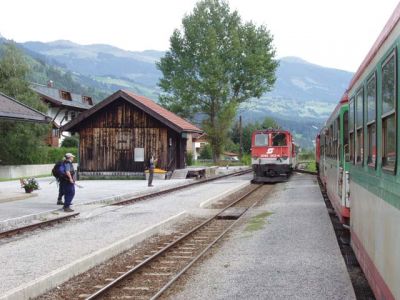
{"points": [[58, 170]]}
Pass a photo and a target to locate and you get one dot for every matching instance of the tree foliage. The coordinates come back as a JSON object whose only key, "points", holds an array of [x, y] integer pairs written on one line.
{"points": [[215, 63], [70, 141], [248, 130], [19, 142]]}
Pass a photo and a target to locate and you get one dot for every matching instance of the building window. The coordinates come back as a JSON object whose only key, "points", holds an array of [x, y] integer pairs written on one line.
{"points": [[73, 115], [351, 129], [66, 116], [87, 100], [371, 123], [359, 126], [65, 95], [55, 132], [389, 113]]}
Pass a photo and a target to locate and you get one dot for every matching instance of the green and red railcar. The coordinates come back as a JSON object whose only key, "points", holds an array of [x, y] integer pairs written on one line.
{"points": [[365, 146]]}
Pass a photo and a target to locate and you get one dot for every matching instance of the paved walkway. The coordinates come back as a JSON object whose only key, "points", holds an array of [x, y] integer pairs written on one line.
{"points": [[16, 205], [39, 261], [290, 251]]}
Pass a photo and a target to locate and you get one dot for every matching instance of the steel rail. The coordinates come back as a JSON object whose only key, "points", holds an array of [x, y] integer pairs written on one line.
{"points": [[31, 227], [166, 191], [166, 248], [176, 277]]}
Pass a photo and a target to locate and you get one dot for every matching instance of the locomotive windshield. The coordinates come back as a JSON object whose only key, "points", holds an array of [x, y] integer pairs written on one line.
{"points": [[261, 139], [279, 139]]}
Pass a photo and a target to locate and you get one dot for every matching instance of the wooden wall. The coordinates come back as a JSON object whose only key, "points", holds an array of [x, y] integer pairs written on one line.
{"points": [[108, 139]]}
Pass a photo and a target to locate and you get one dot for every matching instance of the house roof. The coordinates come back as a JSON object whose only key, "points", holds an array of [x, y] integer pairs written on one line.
{"points": [[150, 107], [11, 109], [52, 95]]}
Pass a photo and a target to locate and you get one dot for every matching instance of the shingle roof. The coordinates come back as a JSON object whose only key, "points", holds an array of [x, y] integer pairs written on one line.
{"points": [[53, 96], [163, 115], [12, 109]]}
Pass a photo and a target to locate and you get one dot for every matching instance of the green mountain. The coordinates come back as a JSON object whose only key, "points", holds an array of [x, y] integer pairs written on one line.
{"points": [[303, 97]]}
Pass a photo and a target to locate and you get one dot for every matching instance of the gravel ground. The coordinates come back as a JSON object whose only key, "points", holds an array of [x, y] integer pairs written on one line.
{"points": [[42, 252], [286, 249]]}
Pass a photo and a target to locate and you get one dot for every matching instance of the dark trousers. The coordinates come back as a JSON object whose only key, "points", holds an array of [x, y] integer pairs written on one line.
{"points": [[151, 172], [69, 192], [60, 191]]}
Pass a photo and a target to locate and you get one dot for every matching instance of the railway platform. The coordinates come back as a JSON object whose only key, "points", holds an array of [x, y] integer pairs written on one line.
{"points": [[18, 207], [284, 248], [43, 259]]}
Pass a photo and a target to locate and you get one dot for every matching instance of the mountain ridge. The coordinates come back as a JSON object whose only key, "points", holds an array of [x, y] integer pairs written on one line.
{"points": [[304, 93]]}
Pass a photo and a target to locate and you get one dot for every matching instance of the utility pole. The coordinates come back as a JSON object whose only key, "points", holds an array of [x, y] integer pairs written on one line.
{"points": [[240, 137]]}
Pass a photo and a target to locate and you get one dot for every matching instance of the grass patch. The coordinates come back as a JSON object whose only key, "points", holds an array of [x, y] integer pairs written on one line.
{"points": [[257, 222]]}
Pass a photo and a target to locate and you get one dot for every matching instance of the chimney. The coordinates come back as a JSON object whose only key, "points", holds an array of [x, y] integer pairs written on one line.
{"points": [[50, 83]]}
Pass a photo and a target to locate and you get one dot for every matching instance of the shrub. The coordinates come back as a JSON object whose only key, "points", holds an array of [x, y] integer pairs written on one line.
{"points": [[70, 142], [246, 159], [56, 154], [206, 152], [189, 158]]}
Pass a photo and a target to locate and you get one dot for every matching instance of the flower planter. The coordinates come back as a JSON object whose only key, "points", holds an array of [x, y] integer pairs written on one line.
{"points": [[28, 190]]}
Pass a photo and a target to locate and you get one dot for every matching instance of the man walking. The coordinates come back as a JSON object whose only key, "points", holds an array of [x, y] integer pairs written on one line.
{"points": [[68, 182]]}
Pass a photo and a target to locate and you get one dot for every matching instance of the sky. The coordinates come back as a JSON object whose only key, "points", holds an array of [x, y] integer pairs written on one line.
{"points": [[330, 33]]}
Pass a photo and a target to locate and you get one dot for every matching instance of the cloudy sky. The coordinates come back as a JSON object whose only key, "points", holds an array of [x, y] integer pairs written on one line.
{"points": [[332, 33]]}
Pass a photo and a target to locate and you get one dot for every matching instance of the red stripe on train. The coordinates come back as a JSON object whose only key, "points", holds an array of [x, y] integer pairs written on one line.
{"points": [[376, 282]]}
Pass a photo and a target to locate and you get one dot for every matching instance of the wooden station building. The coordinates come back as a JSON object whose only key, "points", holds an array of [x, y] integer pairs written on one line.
{"points": [[118, 135]]}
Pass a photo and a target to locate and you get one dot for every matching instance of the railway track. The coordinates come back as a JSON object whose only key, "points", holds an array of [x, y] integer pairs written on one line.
{"points": [[151, 277], [47, 223], [31, 227], [156, 194]]}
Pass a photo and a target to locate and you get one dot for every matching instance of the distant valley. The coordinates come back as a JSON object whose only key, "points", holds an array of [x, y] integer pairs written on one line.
{"points": [[303, 97]]}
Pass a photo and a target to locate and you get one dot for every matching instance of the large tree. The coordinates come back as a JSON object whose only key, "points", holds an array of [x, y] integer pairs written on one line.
{"points": [[19, 142], [215, 63]]}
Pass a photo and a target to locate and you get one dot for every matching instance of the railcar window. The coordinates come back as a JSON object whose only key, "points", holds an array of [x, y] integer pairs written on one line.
{"points": [[371, 123], [351, 129], [261, 139], [371, 98], [346, 136], [279, 139], [371, 145], [359, 125], [388, 113]]}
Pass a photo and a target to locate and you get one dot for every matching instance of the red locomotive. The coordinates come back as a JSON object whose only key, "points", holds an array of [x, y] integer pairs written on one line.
{"points": [[273, 155]]}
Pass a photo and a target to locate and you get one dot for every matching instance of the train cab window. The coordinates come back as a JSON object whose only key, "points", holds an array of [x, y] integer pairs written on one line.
{"points": [[359, 109], [371, 123], [279, 139], [351, 129], [389, 113], [261, 139]]}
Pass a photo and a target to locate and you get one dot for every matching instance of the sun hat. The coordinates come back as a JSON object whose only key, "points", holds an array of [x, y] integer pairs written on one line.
{"points": [[69, 155]]}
